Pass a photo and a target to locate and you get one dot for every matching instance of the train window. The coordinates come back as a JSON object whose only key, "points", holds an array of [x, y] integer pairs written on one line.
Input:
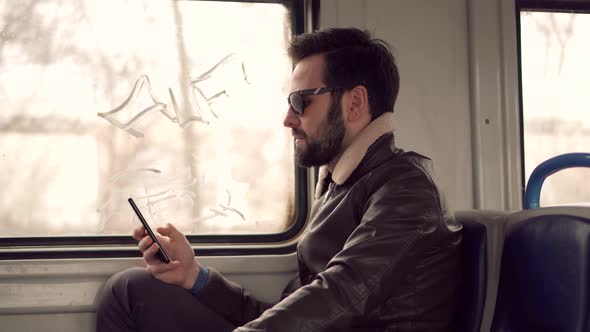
{"points": [[178, 104], [555, 70]]}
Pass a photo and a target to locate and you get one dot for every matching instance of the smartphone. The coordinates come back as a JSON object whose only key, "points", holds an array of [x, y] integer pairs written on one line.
{"points": [[161, 254]]}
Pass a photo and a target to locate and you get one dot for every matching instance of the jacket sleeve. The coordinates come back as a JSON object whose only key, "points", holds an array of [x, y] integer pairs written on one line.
{"points": [[398, 223], [230, 300]]}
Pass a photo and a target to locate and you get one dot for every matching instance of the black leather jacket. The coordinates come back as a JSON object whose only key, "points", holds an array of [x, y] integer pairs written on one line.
{"points": [[379, 255]]}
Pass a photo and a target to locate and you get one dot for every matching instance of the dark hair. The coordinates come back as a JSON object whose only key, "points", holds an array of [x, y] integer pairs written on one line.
{"points": [[352, 57]]}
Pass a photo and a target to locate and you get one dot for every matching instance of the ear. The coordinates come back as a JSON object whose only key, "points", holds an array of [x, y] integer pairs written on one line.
{"points": [[359, 104]]}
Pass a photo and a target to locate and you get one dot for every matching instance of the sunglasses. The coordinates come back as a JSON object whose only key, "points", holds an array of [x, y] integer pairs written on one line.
{"points": [[296, 98]]}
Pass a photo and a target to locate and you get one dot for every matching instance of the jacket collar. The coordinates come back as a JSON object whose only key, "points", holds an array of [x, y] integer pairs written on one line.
{"points": [[355, 152]]}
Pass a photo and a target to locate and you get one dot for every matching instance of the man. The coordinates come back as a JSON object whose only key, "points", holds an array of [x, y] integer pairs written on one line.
{"points": [[379, 254]]}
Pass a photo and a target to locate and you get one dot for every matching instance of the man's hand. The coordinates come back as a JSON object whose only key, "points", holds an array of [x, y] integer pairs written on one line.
{"points": [[183, 268]]}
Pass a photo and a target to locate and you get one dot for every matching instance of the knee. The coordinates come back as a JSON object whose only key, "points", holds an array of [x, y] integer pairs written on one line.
{"points": [[128, 279], [123, 285]]}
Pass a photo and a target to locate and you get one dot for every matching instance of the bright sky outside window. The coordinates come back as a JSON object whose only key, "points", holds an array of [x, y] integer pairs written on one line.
{"points": [[178, 104], [556, 104]]}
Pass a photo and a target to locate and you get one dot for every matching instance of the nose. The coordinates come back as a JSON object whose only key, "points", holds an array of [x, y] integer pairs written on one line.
{"points": [[291, 119]]}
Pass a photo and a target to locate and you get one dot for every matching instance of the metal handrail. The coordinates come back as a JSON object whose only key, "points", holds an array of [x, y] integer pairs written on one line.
{"points": [[548, 167]]}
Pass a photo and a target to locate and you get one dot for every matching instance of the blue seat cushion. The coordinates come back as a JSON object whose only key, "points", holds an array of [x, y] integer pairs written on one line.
{"points": [[544, 276], [472, 290]]}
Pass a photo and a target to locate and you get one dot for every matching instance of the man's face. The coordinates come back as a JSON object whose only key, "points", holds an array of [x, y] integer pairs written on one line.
{"points": [[319, 131]]}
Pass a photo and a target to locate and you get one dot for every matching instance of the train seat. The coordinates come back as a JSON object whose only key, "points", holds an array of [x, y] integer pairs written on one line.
{"points": [[474, 253], [545, 272]]}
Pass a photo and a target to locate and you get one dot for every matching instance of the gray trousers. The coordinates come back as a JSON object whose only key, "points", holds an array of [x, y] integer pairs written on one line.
{"points": [[133, 300]]}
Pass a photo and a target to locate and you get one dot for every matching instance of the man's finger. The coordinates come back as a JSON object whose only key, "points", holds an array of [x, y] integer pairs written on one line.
{"points": [[145, 243], [170, 231], [157, 269], [138, 233], [149, 255]]}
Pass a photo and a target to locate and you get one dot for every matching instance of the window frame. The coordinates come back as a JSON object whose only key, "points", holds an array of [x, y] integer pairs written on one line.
{"points": [[560, 6], [304, 16]]}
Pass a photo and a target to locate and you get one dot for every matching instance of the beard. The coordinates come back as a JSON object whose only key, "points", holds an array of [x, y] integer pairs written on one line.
{"points": [[320, 151]]}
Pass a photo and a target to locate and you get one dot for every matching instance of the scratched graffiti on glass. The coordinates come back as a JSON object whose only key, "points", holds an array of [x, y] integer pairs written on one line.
{"points": [[163, 193], [167, 193], [203, 91]]}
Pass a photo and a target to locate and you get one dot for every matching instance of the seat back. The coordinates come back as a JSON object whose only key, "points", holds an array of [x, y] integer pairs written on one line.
{"points": [[472, 289], [545, 272]]}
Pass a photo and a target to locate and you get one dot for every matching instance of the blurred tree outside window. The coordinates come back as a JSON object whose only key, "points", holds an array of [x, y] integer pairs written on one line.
{"points": [[555, 62], [178, 104]]}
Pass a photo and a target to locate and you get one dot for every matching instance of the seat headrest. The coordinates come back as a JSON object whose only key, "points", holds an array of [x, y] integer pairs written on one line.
{"points": [[544, 277]]}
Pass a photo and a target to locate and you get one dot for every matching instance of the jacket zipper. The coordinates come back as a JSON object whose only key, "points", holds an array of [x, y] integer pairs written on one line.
{"points": [[329, 192]]}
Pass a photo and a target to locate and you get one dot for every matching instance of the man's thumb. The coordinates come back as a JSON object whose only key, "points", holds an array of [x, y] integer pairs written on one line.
{"points": [[169, 230]]}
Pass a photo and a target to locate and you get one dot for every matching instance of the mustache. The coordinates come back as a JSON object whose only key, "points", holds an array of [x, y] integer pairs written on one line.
{"points": [[298, 132]]}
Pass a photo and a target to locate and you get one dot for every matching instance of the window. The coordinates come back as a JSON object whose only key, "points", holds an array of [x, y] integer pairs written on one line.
{"points": [[556, 105], [178, 104]]}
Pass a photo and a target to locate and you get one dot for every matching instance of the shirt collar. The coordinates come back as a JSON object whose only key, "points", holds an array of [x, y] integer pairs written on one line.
{"points": [[355, 152]]}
